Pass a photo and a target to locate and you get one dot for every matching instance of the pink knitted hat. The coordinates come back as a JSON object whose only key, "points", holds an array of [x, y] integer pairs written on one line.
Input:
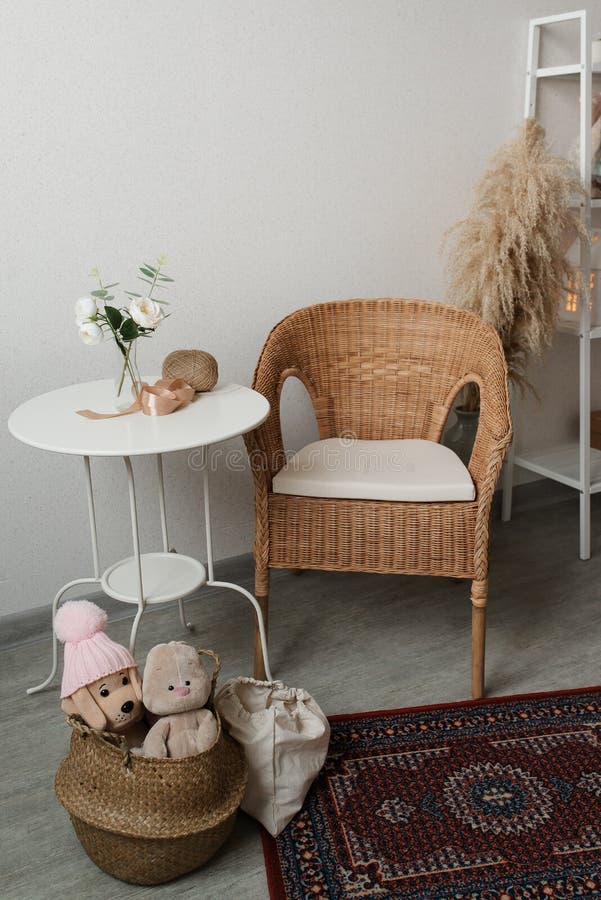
{"points": [[89, 653]]}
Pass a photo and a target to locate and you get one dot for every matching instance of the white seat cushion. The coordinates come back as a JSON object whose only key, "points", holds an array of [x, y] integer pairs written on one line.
{"points": [[412, 470]]}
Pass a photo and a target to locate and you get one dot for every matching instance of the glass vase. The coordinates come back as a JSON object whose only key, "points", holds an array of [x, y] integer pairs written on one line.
{"points": [[460, 437], [128, 381]]}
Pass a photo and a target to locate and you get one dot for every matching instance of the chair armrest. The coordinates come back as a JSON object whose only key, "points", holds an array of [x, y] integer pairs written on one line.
{"points": [[492, 442], [264, 445], [486, 461]]}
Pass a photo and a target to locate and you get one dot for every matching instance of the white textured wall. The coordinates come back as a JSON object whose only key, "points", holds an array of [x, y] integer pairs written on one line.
{"points": [[279, 153]]}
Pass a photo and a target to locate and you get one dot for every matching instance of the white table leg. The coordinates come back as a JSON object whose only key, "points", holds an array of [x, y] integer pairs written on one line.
{"points": [[75, 582], [92, 515], [227, 584], [166, 548], [162, 503], [57, 599], [136, 541]]}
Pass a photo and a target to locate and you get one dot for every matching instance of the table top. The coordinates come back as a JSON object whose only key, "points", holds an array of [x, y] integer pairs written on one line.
{"points": [[50, 421]]}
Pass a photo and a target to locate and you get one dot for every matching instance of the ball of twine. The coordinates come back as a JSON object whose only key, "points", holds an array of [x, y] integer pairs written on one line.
{"points": [[197, 367]]}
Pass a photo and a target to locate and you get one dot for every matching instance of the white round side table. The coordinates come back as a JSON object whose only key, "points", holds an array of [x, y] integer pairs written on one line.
{"points": [[50, 422]]}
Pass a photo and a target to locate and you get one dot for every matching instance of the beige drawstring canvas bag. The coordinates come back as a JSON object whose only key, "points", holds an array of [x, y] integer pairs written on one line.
{"points": [[285, 735]]}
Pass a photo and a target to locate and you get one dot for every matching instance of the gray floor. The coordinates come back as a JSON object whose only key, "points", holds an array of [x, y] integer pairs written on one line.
{"points": [[356, 642]]}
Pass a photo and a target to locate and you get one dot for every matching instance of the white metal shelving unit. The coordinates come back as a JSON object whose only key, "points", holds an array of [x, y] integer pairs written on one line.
{"points": [[575, 465]]}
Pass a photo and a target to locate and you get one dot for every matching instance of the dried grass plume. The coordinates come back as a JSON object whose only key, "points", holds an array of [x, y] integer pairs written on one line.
{"points": [[507, 259]]}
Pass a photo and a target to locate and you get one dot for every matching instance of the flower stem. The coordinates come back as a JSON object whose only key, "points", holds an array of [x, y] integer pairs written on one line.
{"points": [[134, 382], [154, 281], [127, 367]]}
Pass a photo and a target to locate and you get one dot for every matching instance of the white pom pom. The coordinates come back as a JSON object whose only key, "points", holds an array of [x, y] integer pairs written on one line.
{"points": [[78, 620]]}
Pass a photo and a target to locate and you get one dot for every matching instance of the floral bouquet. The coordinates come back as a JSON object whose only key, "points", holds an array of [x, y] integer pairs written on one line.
{"points": [[97, 317]]}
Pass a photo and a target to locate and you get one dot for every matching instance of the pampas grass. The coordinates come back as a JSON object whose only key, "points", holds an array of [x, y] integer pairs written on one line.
{"points": [[507, 259]]}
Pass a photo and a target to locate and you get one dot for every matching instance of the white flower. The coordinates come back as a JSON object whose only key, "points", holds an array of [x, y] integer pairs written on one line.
{"points": [[145, 312], [90, 333], [85, 309]]}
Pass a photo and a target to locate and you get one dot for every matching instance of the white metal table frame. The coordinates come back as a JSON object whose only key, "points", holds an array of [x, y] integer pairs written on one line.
{"points": [[205, 576], [97, 578]]}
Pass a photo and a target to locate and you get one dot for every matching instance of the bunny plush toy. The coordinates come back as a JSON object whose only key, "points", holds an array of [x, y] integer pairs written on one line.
{"points": [[176, 686]]}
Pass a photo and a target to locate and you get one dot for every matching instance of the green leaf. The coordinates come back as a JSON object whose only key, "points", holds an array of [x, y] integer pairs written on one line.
{"points": [[129, 330], [108, 298], [162, 302], [144, 279], [152, 268], [131, 294], [149, 272], [102, 294], [114, 316], [107, 286], [166, 278]]}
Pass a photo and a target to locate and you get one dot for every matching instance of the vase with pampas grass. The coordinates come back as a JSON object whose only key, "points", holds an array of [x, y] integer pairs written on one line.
{"points": [[507, 260]]}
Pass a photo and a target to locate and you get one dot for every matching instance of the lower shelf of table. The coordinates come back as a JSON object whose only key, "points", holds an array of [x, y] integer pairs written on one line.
{"points": [[165, 576]]}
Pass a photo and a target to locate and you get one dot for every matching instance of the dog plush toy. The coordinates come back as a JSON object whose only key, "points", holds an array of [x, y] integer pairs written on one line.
{"points": [[176, 687], [100, 678]]}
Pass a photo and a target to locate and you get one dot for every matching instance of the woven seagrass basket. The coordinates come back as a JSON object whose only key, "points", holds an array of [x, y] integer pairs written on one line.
{"points": [[147, 820]]}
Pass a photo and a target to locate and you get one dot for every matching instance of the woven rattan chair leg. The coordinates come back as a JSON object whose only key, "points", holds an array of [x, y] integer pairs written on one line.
{"points": [[479, 598], [261, 578], [259, 667]]}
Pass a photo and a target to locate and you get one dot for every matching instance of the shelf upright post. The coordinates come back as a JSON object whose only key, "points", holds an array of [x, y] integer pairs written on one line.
{"points": [[532, 69], [529, 113], [584, 448]]}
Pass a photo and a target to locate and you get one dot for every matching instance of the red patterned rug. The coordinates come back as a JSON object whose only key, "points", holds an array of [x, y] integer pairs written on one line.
{"points": [[487, 800]]}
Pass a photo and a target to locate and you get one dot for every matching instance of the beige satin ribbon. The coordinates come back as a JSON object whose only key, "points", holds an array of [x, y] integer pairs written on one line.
{"points": [[158, 399]]}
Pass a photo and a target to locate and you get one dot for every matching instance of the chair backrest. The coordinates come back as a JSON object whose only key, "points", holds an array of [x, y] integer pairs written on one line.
{"points": [[384, 369]]}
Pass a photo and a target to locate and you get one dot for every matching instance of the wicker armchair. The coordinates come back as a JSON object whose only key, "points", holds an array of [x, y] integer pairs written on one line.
{"points": [[381, 370]]}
